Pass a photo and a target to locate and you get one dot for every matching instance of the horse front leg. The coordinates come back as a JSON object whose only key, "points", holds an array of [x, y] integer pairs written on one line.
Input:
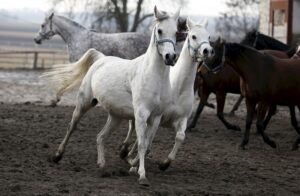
{"points": [[262, 109], [203, 100], [236, 105], [221, 96], [141, 118], [250, 104], [180, 127], [271, 112]]}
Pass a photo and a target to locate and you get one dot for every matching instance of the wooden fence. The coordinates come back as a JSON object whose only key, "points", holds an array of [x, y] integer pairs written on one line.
{"points": [[32, 58]]}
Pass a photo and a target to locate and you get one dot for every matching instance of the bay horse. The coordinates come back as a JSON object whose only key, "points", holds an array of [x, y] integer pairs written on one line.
{"points": [[195, 48], [127, 89], [228, 81], [269, 81]]}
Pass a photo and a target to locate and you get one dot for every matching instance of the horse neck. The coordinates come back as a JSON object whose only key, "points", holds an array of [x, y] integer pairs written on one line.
{"points": [[154, 62], [247, 69], [182, 75], [66, 28]]}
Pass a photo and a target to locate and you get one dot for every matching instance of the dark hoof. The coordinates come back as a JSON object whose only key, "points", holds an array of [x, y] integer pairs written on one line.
{"points": [[295, 147], [55, 158], [164, 165], [272, 144], [144, 182], [235, 127], [124, 151], [242, 146], [210, 105]]}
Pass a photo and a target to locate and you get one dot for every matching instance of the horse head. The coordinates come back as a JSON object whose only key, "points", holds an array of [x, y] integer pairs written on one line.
{"points": [[165, 35], [198, 41], [46, 30], [216, 63]]}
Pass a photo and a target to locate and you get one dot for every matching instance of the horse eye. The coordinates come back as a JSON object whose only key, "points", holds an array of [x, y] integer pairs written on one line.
{"points": [[194, 37], [43, 26], [159, 31]]}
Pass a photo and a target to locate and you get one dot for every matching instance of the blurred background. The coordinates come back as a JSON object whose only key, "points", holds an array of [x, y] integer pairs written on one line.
{"points": [[20, 21]]}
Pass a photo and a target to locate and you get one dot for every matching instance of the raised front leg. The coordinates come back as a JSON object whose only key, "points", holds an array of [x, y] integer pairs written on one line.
{"points": [[180, 127], [203, 101], [250, 104], [236, 105], [220, 108], [261, 113]]}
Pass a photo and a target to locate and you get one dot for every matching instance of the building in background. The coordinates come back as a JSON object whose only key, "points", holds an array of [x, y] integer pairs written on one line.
{"points": [[280, 19]]}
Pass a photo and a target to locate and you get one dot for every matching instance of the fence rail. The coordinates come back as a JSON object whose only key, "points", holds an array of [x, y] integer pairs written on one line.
{"points": [[31, 58]]}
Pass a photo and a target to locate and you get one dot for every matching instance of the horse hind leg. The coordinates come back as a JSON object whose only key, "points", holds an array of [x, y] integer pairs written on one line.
{"points": [[111, 124], [295, 125], [83, 105], [261, 112], [125, 146]]}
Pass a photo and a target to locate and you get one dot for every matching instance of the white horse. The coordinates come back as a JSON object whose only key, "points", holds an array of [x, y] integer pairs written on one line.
{"points": [[182, 76], [127, 89]]}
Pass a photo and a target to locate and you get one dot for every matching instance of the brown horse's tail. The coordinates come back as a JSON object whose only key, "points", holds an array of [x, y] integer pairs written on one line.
{"points": [[65, 77]]}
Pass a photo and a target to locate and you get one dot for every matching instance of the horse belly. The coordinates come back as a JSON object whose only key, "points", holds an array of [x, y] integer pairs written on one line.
{"points": [[111, 88]]}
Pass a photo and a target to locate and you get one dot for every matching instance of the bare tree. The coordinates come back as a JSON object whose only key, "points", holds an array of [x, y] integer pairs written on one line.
{"points": [[240, 18], [115, 15]]}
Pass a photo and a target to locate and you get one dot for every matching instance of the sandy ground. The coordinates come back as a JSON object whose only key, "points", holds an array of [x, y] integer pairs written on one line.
{"points": [[209, 162]]}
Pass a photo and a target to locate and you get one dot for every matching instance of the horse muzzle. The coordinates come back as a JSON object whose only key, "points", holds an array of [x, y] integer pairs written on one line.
{"points": [[37, 40]]}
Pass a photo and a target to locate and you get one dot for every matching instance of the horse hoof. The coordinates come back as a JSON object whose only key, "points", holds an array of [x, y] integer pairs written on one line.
{"points": [[235, 128], [272, 144], [55, 158], [295, 147], [133, 170], [144, 182], [242, 147], [124, 151], [164, 165]]}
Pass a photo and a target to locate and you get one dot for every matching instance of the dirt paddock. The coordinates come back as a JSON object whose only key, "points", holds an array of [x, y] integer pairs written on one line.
{"points": [[209, 162]]}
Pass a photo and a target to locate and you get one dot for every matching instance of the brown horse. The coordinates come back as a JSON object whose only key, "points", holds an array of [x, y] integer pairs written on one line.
{"points": [[225, 81], [269, 81]]}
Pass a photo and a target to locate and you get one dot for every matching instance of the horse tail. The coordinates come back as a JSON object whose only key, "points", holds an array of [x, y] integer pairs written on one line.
{"points": [[64, 77]]}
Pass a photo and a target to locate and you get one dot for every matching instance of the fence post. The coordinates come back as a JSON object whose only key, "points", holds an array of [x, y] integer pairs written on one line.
{"points": [[35, 58]]}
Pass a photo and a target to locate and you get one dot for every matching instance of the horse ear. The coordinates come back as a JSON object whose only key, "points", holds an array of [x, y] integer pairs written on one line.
{"points": [[158, 14], [189, 23], [204, 23], [51, 15], [181, 24], [176, 15]]}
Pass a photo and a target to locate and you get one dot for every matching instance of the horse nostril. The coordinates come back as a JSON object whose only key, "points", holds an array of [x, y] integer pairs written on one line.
{"points": [[212, 52], [205, 51], [174, 57], [167, 56]]}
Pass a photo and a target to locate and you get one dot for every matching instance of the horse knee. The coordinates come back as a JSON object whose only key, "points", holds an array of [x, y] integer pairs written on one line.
{"points": [[180, 137]]}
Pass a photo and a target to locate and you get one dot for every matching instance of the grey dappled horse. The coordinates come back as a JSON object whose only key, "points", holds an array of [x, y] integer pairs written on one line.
{"points": [[79, 39]]}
